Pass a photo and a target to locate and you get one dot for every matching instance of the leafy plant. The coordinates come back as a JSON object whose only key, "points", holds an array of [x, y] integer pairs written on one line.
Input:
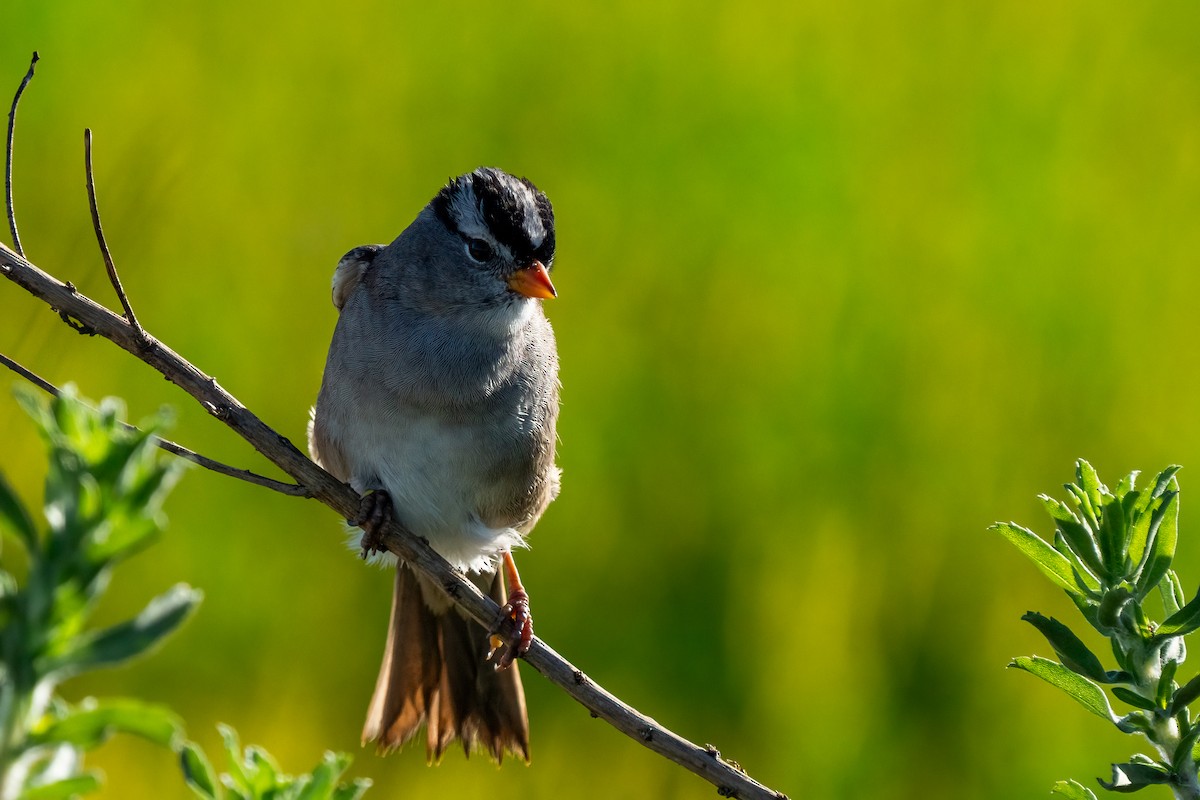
{"points": [[254, 775], [104, 494], [1111, 550], [103, 499]]}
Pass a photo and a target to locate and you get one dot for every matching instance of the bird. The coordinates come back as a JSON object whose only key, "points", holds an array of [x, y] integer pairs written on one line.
{"points": [[439, 403]]}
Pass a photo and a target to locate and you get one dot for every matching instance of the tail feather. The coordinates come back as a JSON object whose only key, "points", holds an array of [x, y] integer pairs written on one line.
{"points": [[434, 673]]}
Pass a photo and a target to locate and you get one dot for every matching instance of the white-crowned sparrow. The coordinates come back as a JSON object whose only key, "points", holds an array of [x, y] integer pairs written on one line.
{"points": [[440, 396]]}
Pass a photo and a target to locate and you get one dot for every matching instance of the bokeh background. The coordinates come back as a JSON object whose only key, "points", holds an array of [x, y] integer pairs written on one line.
{"points": [[840, 285]]}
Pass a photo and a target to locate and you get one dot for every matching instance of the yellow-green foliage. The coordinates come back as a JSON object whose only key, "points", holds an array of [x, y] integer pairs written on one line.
{"points": [[840, 284]]}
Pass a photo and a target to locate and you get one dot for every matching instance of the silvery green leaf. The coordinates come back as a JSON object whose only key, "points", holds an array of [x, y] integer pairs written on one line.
{"points": [[1183, 621], [1164, 530], [129, 639], [14, 513], [1078, 535], [1136, 722], [197, 772], [1132, 777], [1073, 790], [1166, 480], [325, 777], [1114, 602], [1184, 696], [1053, 564], [64, 789], [94, 721], [1084, 691], [1171, 591], [352, 791], [1133, 698], [1070, 649]]}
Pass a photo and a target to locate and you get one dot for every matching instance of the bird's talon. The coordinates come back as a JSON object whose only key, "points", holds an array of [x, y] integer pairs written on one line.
{"points": [[512, 633], [373, 514]]}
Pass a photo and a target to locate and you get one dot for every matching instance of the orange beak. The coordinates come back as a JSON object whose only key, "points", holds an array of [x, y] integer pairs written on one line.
{"points": [[533, 281]]}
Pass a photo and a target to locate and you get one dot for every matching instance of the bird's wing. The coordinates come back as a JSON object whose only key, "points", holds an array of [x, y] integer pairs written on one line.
{"points": [[350, 271]]}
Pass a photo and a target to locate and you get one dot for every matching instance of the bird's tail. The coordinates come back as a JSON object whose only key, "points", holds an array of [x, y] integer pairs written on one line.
{"points": [[434, 673]]}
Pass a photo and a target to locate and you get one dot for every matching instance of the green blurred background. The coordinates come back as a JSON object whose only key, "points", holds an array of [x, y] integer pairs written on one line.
{"points": [[839, 284]]}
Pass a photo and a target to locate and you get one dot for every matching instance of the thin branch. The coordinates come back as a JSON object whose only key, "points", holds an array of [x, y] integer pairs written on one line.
{"points": [[8, 157], [108, 261], [290, 489]]}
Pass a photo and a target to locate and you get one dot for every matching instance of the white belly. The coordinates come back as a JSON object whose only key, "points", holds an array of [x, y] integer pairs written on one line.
{"points": [[436, 474]]}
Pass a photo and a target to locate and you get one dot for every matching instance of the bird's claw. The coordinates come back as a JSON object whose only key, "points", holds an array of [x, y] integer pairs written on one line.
{"points": [[373, 514], [512, 633]]}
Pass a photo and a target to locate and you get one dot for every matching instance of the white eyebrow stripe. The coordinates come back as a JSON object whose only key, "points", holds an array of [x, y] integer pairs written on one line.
{"points": [[464, 209], [532, 224]]}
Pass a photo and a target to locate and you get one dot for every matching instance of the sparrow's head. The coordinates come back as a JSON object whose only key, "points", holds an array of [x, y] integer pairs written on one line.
{"points": [[500, 229]]}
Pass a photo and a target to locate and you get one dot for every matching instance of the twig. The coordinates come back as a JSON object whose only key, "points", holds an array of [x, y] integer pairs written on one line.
{"points": [[8, 157], [108, 261], [290, 489]]}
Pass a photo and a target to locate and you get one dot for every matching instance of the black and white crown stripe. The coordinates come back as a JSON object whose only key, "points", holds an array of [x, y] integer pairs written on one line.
{"points": [[509, 213]]}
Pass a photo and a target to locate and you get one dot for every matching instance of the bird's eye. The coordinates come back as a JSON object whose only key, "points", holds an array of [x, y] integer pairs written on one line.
{"points": [[480, 250]]}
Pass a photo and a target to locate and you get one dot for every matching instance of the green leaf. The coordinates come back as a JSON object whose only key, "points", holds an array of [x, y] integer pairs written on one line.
{"points": [[352, 791], [1164, 530], [1088, 480], [129, 639], [1078, 535], [14, 514], [262, 771], [1166, 683], [1073, 653], [66, 788], [1136, 722], [1133, 698], [1111, 606], [1084, 691], [197, 772], [94, 722], [1166, 480], [1184, 696], [1115, 534], [1053, 564], [1073, 790], [237, 777], [325, 777], [1184, 749], [1132, 777], [1085, 579], [1127, 484], [1171, 591], [1183, 621]]}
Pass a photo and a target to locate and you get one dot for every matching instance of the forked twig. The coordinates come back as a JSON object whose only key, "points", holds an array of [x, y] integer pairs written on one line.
{"points": [[8, 154], [108, 261], [290, 489]]}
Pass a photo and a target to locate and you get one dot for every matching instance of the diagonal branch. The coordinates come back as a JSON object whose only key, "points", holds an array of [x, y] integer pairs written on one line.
{"points": [[730, 779], [290, 489], [8, 153]]}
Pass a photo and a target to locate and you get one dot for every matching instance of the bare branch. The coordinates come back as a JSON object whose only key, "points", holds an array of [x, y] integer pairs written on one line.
{"points": [[8, 157], [290, 489], [108, 261]]}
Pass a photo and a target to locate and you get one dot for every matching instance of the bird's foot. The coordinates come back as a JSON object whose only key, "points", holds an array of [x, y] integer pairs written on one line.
{"points": [[373, 513], [512, 632]]}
